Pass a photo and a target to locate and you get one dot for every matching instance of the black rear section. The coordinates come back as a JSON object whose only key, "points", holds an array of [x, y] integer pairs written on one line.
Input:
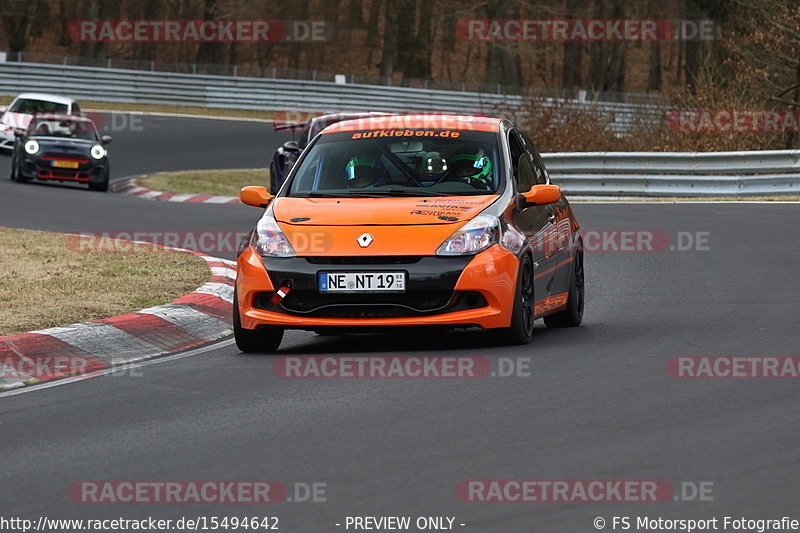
{"points": [[430, 287]]}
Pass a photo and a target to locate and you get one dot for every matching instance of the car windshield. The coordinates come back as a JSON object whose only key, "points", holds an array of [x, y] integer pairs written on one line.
{"points": [[30, 107], [419, 162], [59, 127]]}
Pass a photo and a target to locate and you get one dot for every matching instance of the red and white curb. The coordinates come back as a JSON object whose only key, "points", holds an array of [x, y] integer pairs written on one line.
{"points": [[191, 320], [128, 187]]}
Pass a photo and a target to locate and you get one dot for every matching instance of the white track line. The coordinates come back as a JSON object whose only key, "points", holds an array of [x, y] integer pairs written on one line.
{"points": [[159, 360]]}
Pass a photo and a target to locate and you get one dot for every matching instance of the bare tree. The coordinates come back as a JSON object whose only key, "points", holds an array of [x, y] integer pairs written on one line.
{"points": [[17, 21]]}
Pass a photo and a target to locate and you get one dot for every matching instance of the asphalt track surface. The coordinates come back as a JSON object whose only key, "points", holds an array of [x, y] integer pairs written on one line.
{"points": [[598, 403]]}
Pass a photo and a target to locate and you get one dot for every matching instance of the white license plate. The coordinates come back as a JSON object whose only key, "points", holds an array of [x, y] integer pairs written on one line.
{"points": [[362, 282]]}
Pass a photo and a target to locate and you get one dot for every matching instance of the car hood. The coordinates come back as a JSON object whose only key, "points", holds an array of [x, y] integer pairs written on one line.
{"points": [[17, 121], [379, 211], [64, 144]]}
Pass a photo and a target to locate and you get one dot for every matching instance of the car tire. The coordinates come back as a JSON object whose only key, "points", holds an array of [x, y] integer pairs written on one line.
{"points": [[101, 186], [19, 177], [522, 317], [273, 187], [263, 340], [572, 315], [13, 173]]}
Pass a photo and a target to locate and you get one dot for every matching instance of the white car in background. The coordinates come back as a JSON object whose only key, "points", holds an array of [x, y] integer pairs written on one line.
{"points": [[17, 116]]}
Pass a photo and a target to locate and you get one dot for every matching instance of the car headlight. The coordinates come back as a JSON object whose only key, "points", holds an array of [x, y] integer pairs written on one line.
{"points": [[31, 147], [98, 152], [268, 239], [475, 236], [4, 127]]}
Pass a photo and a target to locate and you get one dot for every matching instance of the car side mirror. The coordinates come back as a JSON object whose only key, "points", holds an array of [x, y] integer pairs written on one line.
{"points": [[256, 196], [106, 139], [540, 195], [291, 146]]}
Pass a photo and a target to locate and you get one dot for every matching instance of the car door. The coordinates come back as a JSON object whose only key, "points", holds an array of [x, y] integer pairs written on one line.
{"points": [[562, 225], [536, 222]]}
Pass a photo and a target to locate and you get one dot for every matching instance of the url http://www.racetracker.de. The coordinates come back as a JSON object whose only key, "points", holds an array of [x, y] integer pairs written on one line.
{"points": [[44, 524]]}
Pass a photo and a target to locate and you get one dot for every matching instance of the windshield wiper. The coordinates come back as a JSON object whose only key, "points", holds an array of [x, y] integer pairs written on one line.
{"points": [[371, 192], [318, 194], [401, 192]]}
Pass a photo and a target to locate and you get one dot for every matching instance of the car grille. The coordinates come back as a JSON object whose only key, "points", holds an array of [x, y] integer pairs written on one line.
{"points": [[366, 260], [62, 175], [316, 305]]}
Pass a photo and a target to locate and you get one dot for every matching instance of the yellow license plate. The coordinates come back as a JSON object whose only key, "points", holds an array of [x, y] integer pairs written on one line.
{"points": [[65, 164]]}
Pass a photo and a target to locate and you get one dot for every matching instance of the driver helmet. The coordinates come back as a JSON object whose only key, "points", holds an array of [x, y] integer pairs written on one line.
{"points": [[475, 169], [361, 172]]}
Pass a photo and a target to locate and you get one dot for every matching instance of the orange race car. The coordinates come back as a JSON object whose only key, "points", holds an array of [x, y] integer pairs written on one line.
{"points": [[411, 220]]}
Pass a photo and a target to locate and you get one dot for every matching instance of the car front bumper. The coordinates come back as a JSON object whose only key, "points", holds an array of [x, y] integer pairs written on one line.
{"points": [[7, 140], [37, 167], [440, 291]]}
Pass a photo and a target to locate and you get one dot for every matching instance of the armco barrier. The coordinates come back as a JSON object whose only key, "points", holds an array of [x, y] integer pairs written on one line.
{"points": [[228, 92], [594, 173], [773, 172]]}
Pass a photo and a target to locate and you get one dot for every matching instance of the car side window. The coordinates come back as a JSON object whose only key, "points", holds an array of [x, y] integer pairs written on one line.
{"points": [[76, 109], [540, 174], [306, 134], [523, 171]]}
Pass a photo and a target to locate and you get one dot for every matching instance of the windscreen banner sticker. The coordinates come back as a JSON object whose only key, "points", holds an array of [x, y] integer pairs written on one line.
{"points": [[455, 208], [406, 133]]}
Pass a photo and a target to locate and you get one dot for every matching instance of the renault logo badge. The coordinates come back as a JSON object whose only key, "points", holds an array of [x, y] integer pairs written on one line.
{"points": [[365, 239]]}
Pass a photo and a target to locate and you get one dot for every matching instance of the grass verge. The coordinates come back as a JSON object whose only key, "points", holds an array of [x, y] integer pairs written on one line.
{"points": [[47, 281], [214, 182]]}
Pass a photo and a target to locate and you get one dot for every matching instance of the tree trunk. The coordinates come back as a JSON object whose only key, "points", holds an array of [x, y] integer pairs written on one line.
{"points": [[572, 67], [597, 53], [211, 52], [390, 27], [92, 12], [415, 44], [503, 64], [654, 81], [615, 77], [372, 23]]}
